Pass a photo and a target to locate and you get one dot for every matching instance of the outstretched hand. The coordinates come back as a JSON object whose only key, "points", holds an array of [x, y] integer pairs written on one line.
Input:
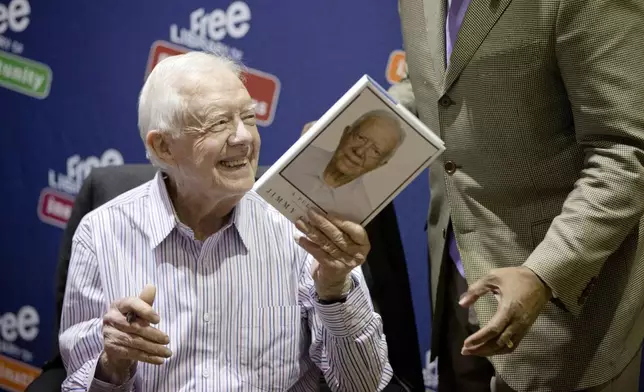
{"points": [[521, 295]]}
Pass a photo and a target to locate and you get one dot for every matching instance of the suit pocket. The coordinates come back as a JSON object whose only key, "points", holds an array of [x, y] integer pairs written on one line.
{"points": [[514, 61], [539, 230], [267, 347]]}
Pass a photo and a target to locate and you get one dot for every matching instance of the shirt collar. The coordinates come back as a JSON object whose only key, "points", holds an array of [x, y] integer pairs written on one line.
{"points": [[349, 185], [162, 217]]}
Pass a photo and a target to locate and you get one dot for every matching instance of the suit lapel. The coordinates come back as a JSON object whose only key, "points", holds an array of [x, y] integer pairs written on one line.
{"points": [[479, 19]]}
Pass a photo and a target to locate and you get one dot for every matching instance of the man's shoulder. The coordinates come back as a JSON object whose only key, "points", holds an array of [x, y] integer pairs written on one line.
{"points": [[257, 207], [310, 161], [317, 153], [125, 207]]}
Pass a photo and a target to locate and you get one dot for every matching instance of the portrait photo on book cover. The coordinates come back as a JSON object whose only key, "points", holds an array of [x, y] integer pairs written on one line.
{"points": [[359, 160]]}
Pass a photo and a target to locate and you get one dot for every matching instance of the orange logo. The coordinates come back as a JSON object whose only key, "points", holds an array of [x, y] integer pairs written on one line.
{"points": [[396, 67], [263, 88], [15, 376]]}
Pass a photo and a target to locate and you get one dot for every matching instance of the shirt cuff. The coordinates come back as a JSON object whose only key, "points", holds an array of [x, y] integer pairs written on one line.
{"points": [[96, 385], [348, 318]]}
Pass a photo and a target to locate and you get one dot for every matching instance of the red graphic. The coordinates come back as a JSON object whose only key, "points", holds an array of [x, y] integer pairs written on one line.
{"points": [[264, 88], [15, 375], [55, 207]]}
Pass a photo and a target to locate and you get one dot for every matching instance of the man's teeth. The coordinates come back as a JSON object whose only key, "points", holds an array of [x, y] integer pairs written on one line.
{"points": [[237, 162]]}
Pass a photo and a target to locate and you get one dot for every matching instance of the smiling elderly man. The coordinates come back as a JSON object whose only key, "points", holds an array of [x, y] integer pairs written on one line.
{"points": [[192, 282]]}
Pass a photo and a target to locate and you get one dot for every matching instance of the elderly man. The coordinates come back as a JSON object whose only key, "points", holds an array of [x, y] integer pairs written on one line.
{"points": [[333, 180], [192, 282]]}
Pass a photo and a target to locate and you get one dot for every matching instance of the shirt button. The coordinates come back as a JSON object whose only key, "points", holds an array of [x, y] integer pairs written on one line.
{"points": [[206, 373], [206, 317]]}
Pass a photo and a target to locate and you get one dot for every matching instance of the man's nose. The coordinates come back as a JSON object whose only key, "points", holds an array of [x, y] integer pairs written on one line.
{"points": [[361, 150], [241, 134]]}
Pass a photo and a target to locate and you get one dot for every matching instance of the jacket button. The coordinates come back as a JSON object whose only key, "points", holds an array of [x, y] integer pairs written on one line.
{"points": [[445, 101], [444, 234], [450, 167]]}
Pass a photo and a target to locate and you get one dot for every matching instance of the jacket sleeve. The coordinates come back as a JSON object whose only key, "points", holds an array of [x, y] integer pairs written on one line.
{"points": [[600, 55]]}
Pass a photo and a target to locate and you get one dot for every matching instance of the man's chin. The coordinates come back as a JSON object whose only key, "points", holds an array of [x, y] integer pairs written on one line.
{"points": [[237, 186]]}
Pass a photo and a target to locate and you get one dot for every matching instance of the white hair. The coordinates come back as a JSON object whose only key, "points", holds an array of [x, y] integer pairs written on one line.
{"points": [[380, 113], [163, 101]]}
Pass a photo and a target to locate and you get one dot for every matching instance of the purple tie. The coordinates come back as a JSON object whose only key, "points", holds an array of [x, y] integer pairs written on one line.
{"points": [[453, 252], [455, 15]]}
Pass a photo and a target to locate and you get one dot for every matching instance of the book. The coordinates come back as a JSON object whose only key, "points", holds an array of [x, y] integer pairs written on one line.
{"points": [[354, 160]]}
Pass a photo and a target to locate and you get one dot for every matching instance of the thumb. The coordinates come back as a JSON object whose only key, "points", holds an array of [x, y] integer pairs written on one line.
{"points": [[148, 293], [474, 292], [307, 126]]}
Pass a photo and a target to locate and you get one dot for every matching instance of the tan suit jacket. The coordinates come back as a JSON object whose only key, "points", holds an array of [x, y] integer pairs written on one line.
{"points": [[542, 112]]}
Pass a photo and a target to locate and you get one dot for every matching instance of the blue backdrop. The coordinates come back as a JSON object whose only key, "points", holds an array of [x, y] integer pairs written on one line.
{"points": [[70, 72]]}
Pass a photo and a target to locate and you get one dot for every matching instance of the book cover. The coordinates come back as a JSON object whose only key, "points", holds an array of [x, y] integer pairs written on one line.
{"points": [[354, 160]]}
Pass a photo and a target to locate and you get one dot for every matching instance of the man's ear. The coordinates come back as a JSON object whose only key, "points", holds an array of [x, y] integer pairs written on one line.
{"points": [[159, 146]]}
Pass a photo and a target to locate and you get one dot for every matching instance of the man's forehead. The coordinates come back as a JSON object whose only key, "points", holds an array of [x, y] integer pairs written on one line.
{"points": [[379, 129], [223, 100]]}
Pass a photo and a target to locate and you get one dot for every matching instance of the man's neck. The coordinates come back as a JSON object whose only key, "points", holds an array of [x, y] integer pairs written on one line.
{"points": [[334, 178], [203, 214]]}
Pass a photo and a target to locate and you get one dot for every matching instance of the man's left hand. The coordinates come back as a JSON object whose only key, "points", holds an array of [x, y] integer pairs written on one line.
{"points": [[338, 246], [521, 295]]}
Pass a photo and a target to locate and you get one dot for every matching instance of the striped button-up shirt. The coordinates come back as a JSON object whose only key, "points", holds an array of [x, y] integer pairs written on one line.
{"points": [[240, 308]]}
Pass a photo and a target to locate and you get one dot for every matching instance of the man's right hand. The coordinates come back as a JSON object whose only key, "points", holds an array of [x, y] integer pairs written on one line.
{"points": [[125, 343]]}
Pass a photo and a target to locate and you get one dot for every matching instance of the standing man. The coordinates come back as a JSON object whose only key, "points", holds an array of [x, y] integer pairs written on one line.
{"points": [[541, 106]]}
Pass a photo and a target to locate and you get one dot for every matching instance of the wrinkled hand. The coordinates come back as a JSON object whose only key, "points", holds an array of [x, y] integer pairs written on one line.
{"points": [[521, 295], [125, 342], [338, 246]]}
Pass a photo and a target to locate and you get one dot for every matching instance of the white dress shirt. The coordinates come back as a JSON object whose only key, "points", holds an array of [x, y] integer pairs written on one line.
{"points": [[240, 308]]}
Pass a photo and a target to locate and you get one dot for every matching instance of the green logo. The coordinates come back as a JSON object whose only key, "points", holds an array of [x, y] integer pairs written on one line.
{"points": [[24, 76]]}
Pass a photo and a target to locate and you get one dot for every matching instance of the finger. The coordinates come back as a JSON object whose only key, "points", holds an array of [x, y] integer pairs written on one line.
{"points": [[356, 232], [504, 344], [475, 291], [316, 251], [138, 306], [491, 331], [116, 351], [148, 293], [137, 342], [317, 237], [138, 327], [510, 337], [330, 231], [307, 126]]}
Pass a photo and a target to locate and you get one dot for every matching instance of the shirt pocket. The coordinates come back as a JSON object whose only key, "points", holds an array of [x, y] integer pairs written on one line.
{"points": [[268, 347]]}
